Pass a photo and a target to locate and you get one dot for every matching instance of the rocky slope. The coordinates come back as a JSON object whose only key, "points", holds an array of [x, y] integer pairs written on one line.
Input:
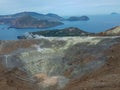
{"points": [[115, 31], [68, 63]]}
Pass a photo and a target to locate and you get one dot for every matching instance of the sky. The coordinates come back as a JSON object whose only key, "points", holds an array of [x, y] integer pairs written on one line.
{"points": [[60, 7]]}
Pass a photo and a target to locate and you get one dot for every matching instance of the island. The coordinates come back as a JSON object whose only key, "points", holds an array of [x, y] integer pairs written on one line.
{"points": [[40, 16], [82, 18], [31, 22]]}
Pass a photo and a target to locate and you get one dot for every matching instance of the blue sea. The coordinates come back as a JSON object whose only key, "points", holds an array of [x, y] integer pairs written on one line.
{"points": [[97, 23]]}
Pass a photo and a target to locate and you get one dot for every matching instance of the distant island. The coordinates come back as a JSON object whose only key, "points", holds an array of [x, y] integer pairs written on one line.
{"points": [[36, 20], [114, 13], [39, 16], [31, 22], [82, 18]]}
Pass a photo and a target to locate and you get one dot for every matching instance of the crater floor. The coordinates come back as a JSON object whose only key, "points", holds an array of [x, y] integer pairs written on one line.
{"points": [[54, 63]]}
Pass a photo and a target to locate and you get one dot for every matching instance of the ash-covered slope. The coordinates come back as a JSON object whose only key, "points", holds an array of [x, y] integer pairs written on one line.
{"points": [[68, 63]]}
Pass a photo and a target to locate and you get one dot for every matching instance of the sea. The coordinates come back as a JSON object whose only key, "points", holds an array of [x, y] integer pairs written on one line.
{"points": [[97, 23]]}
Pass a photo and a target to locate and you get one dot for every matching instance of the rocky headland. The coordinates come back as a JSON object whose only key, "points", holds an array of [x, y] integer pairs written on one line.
{"points": [[71, 31]]}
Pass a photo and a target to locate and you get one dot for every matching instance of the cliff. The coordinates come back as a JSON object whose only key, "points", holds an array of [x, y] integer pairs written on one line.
{"points": [[54, 63]]}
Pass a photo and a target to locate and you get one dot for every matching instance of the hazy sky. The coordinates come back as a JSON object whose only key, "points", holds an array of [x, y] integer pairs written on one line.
{"points": [[61, 7]]}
